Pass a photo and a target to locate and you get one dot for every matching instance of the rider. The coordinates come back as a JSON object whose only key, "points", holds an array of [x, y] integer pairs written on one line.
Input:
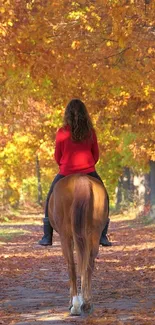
{"points": [[76, 151]]}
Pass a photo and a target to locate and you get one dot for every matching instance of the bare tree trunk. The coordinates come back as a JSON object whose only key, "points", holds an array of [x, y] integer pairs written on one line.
{"points": [[118, 192], [40, 199], [128, 185], [125, 189], [147, 189]]}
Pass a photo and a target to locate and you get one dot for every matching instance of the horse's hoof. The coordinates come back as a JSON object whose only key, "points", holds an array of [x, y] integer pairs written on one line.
{"points": [[76, 306], [75, 311]]}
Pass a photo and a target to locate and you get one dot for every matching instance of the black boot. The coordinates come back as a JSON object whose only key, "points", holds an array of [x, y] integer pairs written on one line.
{"points": [[48, 233], [104, 241]]}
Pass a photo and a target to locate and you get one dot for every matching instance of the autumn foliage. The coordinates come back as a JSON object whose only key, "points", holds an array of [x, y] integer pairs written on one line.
{"points": [[52, 51]]}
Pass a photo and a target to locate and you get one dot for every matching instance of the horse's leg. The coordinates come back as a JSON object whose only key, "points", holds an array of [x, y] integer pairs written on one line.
{"points": [[86, 286], [75, 303], [86, 278]]}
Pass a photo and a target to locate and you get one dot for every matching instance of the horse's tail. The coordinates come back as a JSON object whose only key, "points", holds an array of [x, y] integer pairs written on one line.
{"points": [[82, 220]]}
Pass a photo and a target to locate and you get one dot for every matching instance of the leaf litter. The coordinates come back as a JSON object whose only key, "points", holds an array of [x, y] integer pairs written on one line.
{"points": [[35, 284]]}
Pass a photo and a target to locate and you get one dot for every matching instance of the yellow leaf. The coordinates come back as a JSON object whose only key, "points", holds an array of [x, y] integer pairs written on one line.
{"points": [[121, 42], [2, 10], [108, 43], [89, 28], [75, 45], [10, 23]]}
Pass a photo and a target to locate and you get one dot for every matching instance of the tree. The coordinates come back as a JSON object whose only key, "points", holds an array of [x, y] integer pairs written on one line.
{"points": [[102, 52]]}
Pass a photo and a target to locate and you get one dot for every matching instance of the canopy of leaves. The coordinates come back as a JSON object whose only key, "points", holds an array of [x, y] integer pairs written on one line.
{"points": [[100, 51]]}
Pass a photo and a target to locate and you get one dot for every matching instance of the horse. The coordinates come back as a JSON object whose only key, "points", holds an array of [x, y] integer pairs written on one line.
{"points": [[78, 210]]}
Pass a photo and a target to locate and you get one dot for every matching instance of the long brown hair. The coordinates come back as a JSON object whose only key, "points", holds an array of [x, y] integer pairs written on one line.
{"points": [[77, 117]]}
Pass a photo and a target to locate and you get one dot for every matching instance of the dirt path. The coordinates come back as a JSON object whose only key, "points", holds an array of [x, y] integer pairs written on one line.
{"points": [[34, 279]]}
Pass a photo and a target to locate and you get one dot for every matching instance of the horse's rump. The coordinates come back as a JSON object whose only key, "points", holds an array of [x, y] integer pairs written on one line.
{"points": [[78, 203]]}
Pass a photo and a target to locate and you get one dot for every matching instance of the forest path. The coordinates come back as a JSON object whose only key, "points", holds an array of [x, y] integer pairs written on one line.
{"points": [[34, 279]]}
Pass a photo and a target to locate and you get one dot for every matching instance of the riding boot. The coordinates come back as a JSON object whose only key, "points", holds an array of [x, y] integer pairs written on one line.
{"points": [[104, 241], [48, 233]]}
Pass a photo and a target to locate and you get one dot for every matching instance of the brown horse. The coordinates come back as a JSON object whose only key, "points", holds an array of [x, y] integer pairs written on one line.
{"points": [[78, 211]]}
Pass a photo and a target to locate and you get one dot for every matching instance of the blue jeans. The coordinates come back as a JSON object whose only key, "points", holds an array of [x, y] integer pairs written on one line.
{"points": [[56, 179]]}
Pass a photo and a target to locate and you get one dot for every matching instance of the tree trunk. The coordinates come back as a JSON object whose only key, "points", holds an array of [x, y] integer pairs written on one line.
{"points": [[147, 189], [152, 185], [142, 193], [125, 189], [128, 187], [118, 192], [40, 199], [126, 183]]}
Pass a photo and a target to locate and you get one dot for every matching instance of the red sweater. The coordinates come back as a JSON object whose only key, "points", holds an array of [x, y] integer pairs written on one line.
{"points": [[75, 157]]}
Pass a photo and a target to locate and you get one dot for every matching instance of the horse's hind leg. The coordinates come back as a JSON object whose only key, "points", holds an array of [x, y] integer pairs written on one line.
{"points": [[75, 304], [86, 287]]}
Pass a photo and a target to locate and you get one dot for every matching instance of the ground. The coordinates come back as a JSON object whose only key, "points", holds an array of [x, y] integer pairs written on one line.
{"points": [[34, 279]]}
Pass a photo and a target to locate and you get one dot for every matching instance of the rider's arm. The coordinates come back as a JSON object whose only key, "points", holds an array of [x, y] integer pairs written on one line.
{"points": [[58, 151], [95, 148]]}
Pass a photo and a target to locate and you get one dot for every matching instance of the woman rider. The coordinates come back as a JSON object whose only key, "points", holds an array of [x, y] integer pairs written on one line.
{"points": [[76, 151]]}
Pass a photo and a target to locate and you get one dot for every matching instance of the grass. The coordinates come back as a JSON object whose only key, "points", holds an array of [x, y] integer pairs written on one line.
{"points": [[7, 234], [146, 220]]}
